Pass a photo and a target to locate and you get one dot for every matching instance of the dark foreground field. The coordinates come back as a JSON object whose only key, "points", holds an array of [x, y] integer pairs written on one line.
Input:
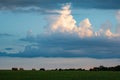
{"points": [[59, 75]]}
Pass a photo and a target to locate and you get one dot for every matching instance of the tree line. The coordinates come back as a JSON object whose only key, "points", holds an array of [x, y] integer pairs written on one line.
{"points": [[100, 68]]}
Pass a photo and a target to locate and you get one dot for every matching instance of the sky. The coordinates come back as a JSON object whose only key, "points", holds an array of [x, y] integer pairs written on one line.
{"points": [[60, 29]]}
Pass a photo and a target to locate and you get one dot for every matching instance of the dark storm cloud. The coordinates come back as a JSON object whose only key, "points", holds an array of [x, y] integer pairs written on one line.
{"points": [[59, 45], [43, 5], [70, 46]]}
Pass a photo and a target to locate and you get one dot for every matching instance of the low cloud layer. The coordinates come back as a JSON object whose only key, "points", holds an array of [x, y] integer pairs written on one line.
{"points": [[8, 49], [44, 5], [63, 38], [5, 35]]}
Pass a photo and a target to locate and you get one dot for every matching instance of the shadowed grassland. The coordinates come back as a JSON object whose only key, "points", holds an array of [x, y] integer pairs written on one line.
{"points": [[59, 75]]}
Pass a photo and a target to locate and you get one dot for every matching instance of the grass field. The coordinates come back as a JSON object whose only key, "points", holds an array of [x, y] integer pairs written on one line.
{"points": [[59, 75]]}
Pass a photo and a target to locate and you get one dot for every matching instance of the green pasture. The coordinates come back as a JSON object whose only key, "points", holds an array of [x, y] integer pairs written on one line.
{"points": [[59, 75]]}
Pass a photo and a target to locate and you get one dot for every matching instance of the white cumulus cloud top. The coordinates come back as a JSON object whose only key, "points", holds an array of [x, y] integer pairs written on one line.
{"points": [[65, 23]]}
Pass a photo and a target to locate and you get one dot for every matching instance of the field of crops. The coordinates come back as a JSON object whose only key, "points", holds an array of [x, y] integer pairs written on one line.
{"points": [[59, 75]]}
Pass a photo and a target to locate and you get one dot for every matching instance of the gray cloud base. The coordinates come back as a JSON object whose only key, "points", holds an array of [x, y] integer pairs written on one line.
{"points": [[58, 45]]}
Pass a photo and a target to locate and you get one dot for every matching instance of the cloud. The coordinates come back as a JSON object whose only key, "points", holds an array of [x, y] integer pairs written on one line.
{"points": [[118, 20], [64, 45], [5, 35], [63, 38], [44, 5], [65, 23], [118, 16], [8, 49], [105, 30]]}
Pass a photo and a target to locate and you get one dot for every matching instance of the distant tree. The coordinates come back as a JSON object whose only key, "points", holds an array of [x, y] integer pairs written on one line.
{"points": [[102, 68], [72, 69], [56, 69], [94, 69], [42, 69], [15, 69], [80, 69], [33, 69], [60, 69], [117, 68], [21, 69]]}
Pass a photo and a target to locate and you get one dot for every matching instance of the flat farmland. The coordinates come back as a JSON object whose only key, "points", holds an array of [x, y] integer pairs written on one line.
{"points": [[59, 75]]}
